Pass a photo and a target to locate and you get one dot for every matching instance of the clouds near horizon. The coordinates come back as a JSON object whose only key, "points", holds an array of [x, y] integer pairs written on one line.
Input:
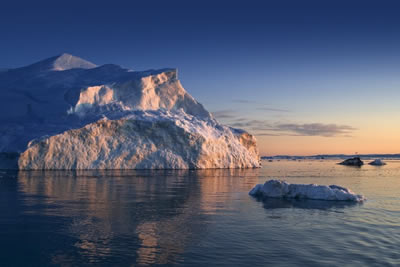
{"points": [[277, 128]]}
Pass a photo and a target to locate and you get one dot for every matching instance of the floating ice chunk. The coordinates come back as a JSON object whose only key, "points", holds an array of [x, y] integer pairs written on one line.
{"points": [[281, 189], [356, 161], [377, 162]]}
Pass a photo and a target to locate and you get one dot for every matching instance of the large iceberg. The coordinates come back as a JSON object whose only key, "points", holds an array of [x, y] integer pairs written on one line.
{"points": [[282, 189], [67, 113]]}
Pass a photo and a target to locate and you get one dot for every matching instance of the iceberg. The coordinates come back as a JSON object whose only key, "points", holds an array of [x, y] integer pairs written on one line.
{"points": [[356, 161], [282, 189], [377, 162], [68, 113]]}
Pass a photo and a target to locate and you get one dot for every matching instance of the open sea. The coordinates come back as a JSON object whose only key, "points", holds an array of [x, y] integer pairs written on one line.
{"points": [[198, 218]]}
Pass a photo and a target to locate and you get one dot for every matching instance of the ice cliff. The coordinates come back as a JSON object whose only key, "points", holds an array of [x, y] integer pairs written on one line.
{"points": [[67, 113], [281, 189]]}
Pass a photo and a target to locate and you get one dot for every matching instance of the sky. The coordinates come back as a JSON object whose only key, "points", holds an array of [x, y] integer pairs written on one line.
{"points": [[305, 77]]}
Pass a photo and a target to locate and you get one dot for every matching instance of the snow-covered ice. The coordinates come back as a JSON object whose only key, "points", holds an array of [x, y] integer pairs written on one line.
{"points": [[66, 113], [282, 189]]}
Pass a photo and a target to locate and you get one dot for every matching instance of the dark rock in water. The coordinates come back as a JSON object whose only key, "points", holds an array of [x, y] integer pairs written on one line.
{"points": [[356, 161]]}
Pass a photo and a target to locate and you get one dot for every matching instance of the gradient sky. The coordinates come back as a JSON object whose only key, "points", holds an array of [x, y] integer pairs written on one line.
{"points": [[306, 77]]}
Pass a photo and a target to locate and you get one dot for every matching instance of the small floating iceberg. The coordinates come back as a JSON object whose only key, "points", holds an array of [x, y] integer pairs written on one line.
{"points": [[377, 162], [282, 189], [356, 161]]}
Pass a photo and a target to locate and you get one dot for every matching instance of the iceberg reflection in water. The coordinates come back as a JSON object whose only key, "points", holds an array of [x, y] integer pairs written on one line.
{"points": [[285, 203], [198, 218], [139, 217]]}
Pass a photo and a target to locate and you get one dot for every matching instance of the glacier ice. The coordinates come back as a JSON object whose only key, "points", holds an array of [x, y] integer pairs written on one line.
{"points": [[67, 113], [282, 189]]}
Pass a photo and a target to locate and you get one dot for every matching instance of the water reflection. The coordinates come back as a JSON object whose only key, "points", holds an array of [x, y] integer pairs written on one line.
{"points": [[194, 218], [279, 203], [126, 217]]}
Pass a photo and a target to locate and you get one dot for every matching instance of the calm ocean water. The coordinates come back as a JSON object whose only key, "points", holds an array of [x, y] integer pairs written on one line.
{"points": [[198, 218]]}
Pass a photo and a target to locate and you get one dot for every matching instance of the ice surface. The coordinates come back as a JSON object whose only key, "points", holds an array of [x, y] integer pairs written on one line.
{"points": [[281, 189], [62, 62], [144, 140]]}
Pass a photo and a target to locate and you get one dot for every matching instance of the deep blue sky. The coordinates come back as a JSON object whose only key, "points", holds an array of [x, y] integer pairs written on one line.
{"points": [[269, 63]]}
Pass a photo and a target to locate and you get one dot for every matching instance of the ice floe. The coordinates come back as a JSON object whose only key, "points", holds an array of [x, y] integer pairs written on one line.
{"points": [[282, 189]]}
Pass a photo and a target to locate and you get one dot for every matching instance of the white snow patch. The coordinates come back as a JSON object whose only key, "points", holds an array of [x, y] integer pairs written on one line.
{"points": [[282, 189], [67, 62]]}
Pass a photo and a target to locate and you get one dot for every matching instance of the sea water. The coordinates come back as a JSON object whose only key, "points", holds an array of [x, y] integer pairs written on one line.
{"points": [[198, 218]]}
